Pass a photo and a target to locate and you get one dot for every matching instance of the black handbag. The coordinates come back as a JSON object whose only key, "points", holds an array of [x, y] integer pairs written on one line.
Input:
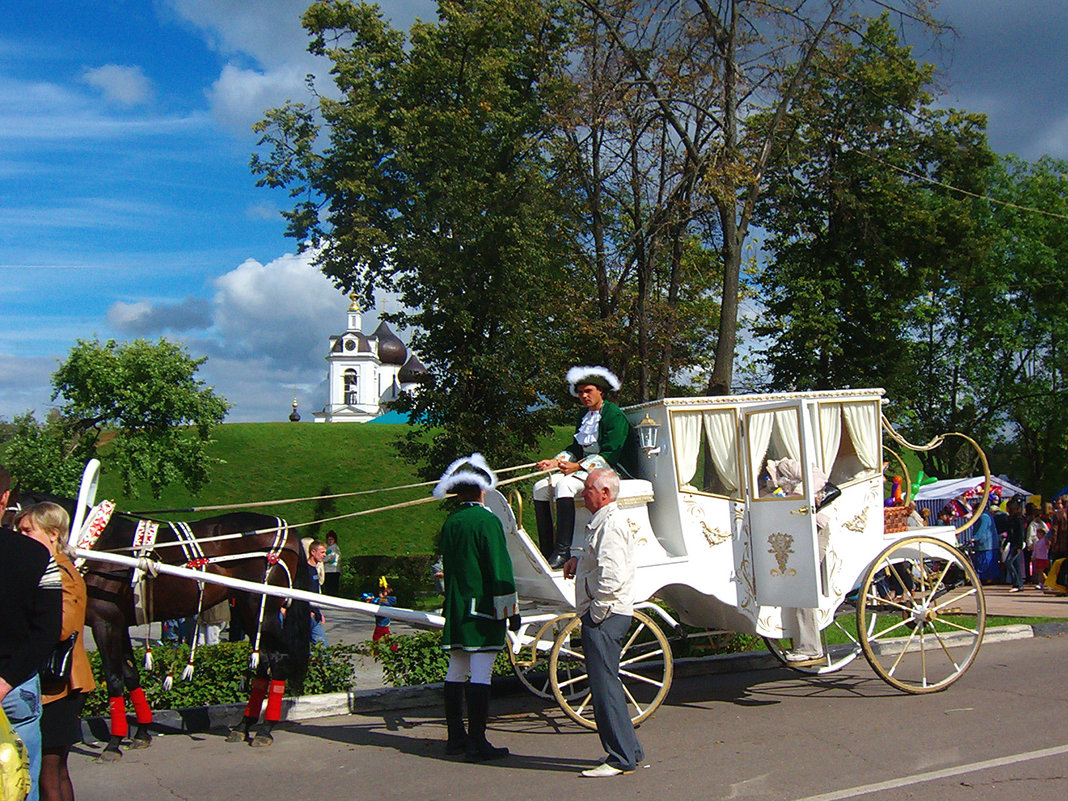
{"points": [[56, 669]]}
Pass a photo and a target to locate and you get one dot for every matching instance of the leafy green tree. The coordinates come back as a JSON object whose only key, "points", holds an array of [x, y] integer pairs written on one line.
{"points": [[427, 174], [857, 232], [137, 404], [38, 455]]}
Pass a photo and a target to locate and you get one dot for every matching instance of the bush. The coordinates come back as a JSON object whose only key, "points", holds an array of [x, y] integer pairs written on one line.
{"points": [[420, 659], [219, 676]]}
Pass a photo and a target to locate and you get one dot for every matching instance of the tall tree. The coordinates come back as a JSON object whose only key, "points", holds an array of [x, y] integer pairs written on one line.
{"points": [[138, 406], [428, 175], [857, 232]]}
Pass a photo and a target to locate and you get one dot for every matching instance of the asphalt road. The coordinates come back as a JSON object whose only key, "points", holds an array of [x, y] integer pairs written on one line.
{"points": [[995, 734]]}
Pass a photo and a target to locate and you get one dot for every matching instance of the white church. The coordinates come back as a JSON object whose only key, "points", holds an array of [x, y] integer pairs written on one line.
{"points": [[366, 373]]}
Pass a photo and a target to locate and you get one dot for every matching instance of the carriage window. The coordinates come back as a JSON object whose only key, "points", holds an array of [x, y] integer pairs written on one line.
{"points": [[775, 453], [850, 440], [705, 444]]}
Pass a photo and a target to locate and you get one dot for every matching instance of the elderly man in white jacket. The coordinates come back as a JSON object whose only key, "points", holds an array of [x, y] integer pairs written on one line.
{"points": [[604, 597]]}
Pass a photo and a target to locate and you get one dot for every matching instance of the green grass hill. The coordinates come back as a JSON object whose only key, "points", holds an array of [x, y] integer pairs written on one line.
{"points": [[276, 461]]}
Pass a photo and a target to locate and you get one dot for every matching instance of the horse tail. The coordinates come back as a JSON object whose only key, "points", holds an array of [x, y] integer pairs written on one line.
{"points": [[296, 630]]}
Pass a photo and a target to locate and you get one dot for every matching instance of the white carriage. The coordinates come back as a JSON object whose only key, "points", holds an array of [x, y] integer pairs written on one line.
{"points": [[718, 548]]}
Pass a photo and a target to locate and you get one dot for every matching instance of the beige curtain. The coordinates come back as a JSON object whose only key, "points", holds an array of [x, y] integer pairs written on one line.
{"points": [[862, 422], [830, 434], [721, 433], [788, 433], [760, 424], [686, 442]]}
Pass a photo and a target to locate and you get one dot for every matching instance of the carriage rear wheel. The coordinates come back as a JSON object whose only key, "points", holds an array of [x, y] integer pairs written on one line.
{"points": [[841, 645], [645, 667], [529, 655], [932, 614]]}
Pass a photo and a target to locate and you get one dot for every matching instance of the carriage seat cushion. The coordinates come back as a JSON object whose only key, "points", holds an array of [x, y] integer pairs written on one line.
{"points": [[633, 491]]}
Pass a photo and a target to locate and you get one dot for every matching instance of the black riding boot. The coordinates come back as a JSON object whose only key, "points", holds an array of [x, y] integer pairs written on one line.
{"points": [[565, 525], [454, 717], [478, 748], [543, 514]]}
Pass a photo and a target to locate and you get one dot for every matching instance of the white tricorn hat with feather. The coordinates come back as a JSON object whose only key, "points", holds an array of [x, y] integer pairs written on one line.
{"points": [[598, 376], [467, 470]]}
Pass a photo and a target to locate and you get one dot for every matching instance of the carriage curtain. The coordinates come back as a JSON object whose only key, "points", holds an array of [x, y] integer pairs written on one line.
{"points": [[721, 433], [862, 422], [788, 432], [830, 434], [686, 441], [759, 424]]}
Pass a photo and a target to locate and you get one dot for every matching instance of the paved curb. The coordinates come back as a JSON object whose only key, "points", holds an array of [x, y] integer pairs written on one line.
{"points": [[385, 699]]}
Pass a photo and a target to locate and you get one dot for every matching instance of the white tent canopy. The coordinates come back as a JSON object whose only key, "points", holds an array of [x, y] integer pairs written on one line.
{"points": [[947, 489]]}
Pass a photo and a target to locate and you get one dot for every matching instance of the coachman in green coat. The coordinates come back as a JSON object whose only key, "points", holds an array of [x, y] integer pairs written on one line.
{"points": [[603, 438], [480, 599]]}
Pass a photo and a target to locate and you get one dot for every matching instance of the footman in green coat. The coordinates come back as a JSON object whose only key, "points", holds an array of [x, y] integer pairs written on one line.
{"points": [[480, 600]]}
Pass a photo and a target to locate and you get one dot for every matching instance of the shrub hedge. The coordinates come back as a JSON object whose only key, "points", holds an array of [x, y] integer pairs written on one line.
{"points": [[220, 675]]}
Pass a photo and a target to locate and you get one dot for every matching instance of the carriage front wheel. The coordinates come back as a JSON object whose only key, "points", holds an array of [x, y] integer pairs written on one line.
{"points": [[645, 667], [931, 614]]}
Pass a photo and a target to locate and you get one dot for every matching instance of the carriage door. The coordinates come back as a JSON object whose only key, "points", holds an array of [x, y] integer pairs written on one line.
{"points": [[780, 512]]}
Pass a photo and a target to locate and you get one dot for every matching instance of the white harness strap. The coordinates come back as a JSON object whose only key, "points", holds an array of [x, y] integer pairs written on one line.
{"points": [[196, 560], [94, 526], [143, 543], [281, 531]]}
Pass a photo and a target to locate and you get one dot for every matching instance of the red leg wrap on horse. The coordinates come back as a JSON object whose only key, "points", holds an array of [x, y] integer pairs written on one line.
{"points": [[119, 726], [274, 702], [141, 707], [255, 698]]}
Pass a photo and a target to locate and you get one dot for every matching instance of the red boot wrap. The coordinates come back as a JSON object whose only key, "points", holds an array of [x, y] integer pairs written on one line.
{"points": [[119, 725], [255, 698], [274, 702], [141, 707]]}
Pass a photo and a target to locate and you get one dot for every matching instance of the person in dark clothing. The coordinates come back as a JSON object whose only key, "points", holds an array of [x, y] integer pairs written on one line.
{"points": [[1014, 533], [31, 595]]}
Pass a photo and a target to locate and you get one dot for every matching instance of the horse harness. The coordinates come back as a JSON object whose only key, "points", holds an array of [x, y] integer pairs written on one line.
{"points": [[144, 550]]}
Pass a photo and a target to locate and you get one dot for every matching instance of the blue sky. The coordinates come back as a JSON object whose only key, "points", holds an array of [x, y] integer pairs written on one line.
{"points": [[127, 208]]}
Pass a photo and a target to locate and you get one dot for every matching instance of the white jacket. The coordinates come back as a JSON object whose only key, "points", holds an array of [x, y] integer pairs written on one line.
{"points": [[604, 578]]}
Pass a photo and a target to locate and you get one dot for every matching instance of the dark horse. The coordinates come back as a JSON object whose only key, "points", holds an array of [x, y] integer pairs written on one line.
{"points": [[266, 552]]}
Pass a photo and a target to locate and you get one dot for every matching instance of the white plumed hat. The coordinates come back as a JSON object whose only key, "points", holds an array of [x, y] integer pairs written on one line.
{"points": [[598, 376], [466, 470]]}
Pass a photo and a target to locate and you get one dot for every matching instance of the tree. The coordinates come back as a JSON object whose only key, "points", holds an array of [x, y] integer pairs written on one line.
{"points": [[38, 456], [857, 232], [137, 404], [428, 175]]}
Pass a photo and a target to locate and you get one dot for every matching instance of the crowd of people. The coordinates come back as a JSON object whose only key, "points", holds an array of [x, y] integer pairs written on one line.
{"points": [[1017, 545]]}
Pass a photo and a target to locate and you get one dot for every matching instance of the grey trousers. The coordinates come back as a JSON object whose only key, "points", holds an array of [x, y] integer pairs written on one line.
{"points": [[601, 643]]}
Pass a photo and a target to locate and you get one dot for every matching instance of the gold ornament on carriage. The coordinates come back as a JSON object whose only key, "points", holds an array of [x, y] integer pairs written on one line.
{"points": [[781, 548]]}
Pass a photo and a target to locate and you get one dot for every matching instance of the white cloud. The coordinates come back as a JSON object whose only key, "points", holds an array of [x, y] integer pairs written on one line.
{"points": [[142, 318], [268, 30], [25, 384], [239, 96], [126, 85]]}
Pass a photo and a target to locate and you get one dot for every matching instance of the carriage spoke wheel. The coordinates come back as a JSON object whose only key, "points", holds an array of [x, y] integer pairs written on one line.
{"points": [[836, 654], [931, 614], [530, 661], [645, 667]]}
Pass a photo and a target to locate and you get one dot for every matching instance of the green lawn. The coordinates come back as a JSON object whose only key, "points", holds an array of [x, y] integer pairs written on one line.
{"points": [[272, 461]]}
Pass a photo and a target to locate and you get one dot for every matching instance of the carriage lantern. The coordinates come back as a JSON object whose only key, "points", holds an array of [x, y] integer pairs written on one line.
{"points": [[647, 435]]}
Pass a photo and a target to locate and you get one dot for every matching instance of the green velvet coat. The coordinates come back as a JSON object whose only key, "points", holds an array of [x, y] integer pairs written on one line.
{"points": [[479, 586], [616, 440]]}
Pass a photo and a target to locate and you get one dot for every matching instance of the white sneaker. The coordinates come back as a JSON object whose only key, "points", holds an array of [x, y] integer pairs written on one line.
{"points": [[603, 771], [802, 660]]}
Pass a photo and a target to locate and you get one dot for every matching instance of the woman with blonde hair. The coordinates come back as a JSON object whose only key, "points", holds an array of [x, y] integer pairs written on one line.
{"points": [[61, 727]]}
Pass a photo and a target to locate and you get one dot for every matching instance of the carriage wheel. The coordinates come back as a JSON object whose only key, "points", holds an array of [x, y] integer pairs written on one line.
{"points": [[837, 654], [530, 659], [921, 650], [645, 666]]}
